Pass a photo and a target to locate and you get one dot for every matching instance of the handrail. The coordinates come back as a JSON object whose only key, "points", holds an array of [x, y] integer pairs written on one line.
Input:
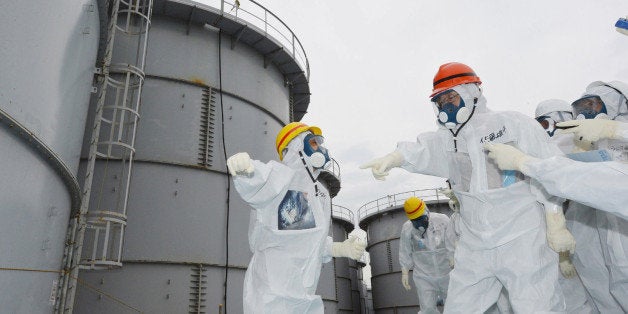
{"points": [[391, 201], [334, 168], [294, 37], [286, 37], [341, 212]]}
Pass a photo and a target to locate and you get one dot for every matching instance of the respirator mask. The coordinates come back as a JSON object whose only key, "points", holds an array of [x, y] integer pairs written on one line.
{"points": [[589, 107], [451, 109], [317, 155]]}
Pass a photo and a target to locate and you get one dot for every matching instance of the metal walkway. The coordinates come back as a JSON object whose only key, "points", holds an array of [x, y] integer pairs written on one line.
{"points": [[278, 46]]}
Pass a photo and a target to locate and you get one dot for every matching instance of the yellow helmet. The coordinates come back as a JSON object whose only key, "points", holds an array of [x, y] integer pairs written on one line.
{"points": [[414, 207], [291, 131]]}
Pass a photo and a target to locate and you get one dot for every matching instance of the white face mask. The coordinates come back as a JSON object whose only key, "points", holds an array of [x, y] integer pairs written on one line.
{"points": [[316, 160]]}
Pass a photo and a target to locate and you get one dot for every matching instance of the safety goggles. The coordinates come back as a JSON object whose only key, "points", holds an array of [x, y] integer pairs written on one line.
{"points": [[546, 122], [446, 97], [314, 143], [588, 105]]}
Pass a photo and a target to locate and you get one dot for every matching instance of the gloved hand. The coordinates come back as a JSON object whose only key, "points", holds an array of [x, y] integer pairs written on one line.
{"points": [[240, 164], [404, 279], [451, 262], [565, 265], [453, 200], [381, 166], [507, 157], [581, 146], [558, 237], [352, 248], [591, 130]]}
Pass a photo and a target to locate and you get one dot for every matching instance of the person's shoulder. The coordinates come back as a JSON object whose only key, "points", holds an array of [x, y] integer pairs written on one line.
{"points": [[439, 216]]}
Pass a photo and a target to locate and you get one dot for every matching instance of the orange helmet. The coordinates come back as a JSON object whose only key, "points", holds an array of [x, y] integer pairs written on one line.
{"points": [[452, 74]]}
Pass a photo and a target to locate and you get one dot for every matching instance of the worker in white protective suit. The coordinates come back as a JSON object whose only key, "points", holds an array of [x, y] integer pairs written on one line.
{"points": [[503, 240], [549, 113], [552, 111], [607, 101], [288, 234], [603, 268], [422, 250], [595, 182]]}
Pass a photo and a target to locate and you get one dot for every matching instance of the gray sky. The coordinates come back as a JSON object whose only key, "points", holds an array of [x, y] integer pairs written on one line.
{"points": [[372, 64]]}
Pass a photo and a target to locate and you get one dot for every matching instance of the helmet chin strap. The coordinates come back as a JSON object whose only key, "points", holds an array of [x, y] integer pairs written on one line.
{"points": [[309, 172], [455, 134]]}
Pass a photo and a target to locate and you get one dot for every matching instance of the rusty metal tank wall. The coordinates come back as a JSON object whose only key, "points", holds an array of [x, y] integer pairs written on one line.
{"points": [[182, 207], [47, 58], [383, 229]]}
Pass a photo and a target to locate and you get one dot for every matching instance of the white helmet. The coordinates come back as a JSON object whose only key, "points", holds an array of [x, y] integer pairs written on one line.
{"points": [[614, 94], [551, 105]]}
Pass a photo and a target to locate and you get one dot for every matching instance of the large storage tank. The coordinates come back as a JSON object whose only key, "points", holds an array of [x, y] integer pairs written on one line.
{"points": [[382, 219], [47, 60], [214, 84]]}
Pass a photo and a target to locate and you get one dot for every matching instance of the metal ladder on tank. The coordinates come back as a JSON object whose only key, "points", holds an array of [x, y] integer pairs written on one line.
{"points": [[95, 235]]}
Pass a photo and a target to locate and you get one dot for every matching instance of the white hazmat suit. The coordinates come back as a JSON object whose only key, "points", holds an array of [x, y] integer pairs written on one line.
{"points": [[613, 230], [428, 258], [549, 113], [594, 183], [601, 257], [288, 232], [503, 232]]}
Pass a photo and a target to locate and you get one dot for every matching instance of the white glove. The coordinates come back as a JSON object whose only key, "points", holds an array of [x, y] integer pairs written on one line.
{"points": [[591, 130], [452, 262], [381, 166], [404, 279], [558, 237], [566, 266], [581, 146], [453, 200], [507, 157], [352, 248], [240, 164]]}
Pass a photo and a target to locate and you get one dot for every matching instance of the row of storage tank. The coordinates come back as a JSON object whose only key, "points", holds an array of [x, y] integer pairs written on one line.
{"points": [[165, 90]]}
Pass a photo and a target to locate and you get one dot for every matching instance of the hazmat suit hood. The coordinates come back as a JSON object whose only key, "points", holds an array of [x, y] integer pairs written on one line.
{"points": [[548, 106], [292, 158], [614, 95]]}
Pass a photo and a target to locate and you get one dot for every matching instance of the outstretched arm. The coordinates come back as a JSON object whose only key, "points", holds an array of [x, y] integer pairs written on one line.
{"points": [[256, 182]]}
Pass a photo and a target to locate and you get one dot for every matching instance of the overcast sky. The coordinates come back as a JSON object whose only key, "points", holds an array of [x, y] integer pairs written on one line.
{"points": [[372, 64]]}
